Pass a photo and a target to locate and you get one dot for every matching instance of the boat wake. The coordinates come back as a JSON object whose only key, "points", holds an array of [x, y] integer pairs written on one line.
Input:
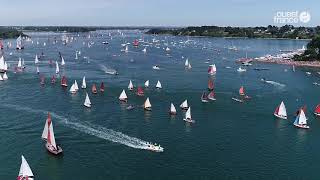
{"points": [[274, 83], [108, 70], [94, 130]]}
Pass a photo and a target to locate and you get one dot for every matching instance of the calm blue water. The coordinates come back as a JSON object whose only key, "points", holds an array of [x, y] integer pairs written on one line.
{"points": [[228, 141]]}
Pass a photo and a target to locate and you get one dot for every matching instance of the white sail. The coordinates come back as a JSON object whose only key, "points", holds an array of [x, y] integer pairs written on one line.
{"points": [[73, 88], [167, 49], [36, 60], [62, 61], [38, 71], [57, 68], [144, 50], [184, 104], [76, 87], [5, 76], [186, 63], [189, 66], [87, 101], [45, 129], [188, 113], [212, 69], [301, 119], [84, 84], [159, 86], [5, 66], [172, 108], [282, 110], [76, 55], [19, 63], [147, 104], [127, 49], [123, 95], [1, 79], [146, 84], [25, 170], [130, 86], [2, 63]]}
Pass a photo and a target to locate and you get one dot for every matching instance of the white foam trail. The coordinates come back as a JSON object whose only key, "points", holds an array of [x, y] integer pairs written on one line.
{"points": [[94, 130], [275, 83], [107, 70]]}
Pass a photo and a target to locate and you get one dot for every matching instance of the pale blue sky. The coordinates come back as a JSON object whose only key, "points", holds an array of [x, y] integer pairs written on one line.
{"points": [[151, 12]]}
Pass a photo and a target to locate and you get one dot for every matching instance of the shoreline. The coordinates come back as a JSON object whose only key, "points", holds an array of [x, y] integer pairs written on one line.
{"points": [[315, 64]]}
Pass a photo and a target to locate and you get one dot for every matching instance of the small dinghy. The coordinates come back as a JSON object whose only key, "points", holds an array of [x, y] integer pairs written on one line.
{"points": [[281, 111], [36, 59], [156, 67], [242, 93], [64, 81], [73, 89], [94, 89], [38, 71], [240, 69], [57, 68], [130, 86], [184, 105], [238, 100], [25, 172], [211, 96], [158, 85], [130, 107], [87, 102], [48, 135], [123, 96], [140, 91], [212, 69], [188, 116], [172, 110], [204, 97], [147, 105], [102, 87], [301, 120], [317, 110]]}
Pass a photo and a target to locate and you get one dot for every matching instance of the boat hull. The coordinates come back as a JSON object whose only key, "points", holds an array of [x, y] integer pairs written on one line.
{"points": [[172, 113], [317, 114], [147, 109], [189, 120], [185, 108], [279, 116], [50, 149], [123, 100], [302, 126], [238, 100]]}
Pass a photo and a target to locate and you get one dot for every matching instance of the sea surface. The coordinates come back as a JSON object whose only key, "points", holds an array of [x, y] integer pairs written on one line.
{"points": [[229, 140]]}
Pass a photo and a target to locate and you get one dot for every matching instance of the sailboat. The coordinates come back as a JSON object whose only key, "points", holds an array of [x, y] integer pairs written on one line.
{"points": [[1, 79], [19, 43], [172, 110], [211, 96], [189, 66], [84, 84], [212, 69], [87, 102], [210, 85], [5, 76], [76, 85], [184, 105], [317, 110], [130, 86], [48, 135], [57, 68], [36, 59], [53, 79], [188, 116], [281, 111], [25, 172], [144, 50], [301, 120], [146, 84], [94, 89], [19, 66], [167, 49], [76, 55], [159, 86], [126, 50], [135, 43], [204, 97], [140, 91], [147, 105], [123, 96], [2, 65], [64, 81], [73, 89], [38, 71], [62, 61], [102, 87]]}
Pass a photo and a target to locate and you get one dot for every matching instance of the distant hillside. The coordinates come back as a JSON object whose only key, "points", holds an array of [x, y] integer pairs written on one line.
{"points": [[8, 32], [312, 52], [286, 31]]}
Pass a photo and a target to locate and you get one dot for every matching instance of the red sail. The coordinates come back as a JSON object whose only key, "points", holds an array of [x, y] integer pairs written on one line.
{"points": [[135, 43], [140, 91], [241, 91], [277, 110], [317, 110], [102, 87], [49, 124], [210, 85], [211, 94], [94, 89], [64, 81]]}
